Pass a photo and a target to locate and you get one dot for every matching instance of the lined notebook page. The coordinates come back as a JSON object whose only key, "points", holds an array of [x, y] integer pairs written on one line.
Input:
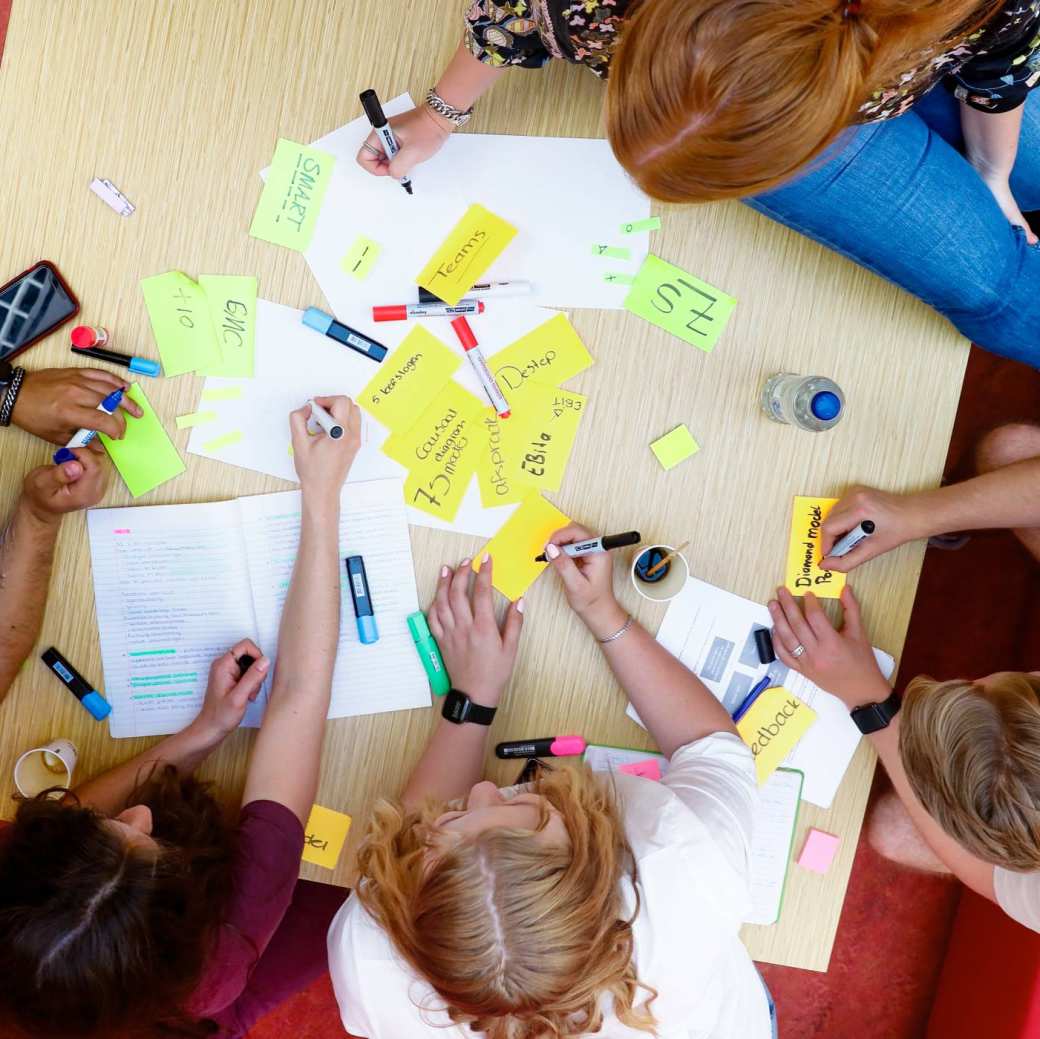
{"points": [[775, 820]]}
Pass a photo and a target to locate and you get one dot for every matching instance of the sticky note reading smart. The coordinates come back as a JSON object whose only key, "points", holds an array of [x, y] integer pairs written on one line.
{"points": [[818, 851], [675, 447], [803, 553], [473, 245], [772, 727], [408, 380], [513, 548], [180, 317], [360, 258], [549, 354], [499, 475], [145, 457], [232, 311], [324, 836], [666, 296], [648, 769], [291, 200]]}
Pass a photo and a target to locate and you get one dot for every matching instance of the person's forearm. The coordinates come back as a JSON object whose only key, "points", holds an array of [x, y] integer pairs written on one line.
{"points": [[465, 79], [26, 558], [451, 763], [991, 140]]}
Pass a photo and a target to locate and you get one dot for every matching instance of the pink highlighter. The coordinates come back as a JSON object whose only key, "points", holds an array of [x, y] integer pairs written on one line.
{"points": [[551, 746]]}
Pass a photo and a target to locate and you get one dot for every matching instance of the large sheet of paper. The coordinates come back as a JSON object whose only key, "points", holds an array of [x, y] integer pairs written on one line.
{"points": [[177, 585]]}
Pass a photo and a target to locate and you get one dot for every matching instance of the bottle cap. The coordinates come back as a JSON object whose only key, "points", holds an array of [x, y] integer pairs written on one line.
{"points": [[825, 405], [83, 337]]}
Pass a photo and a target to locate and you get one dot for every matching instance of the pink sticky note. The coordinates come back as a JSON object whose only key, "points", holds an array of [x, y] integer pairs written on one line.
{"points": [[819, 851], [648, 769]]}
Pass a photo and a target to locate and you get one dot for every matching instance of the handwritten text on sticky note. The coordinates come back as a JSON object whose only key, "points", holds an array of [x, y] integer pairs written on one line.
{"points": [[360, 258], [291, 200], [232, 309], [772, 727], [540, 434], [550, 354], [803, 552], [498, 473], [180, 317], [324, 836]]}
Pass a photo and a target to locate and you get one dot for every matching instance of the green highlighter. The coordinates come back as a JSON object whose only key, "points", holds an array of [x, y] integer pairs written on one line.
{"points": [[429, 653]]}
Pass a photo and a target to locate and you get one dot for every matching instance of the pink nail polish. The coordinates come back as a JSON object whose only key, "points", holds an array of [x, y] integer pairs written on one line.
{"points": [[520, 605]]}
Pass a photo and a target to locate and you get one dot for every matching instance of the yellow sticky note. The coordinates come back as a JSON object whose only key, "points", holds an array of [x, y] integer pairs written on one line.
{"points": [[473, 245], [678, 302], [675, 447], [291, 200], [232, 311], [803, 552], [197, 418], [180, 318], [772, 727], [324, 836], [408, 380], [550, 354], [145, 457], [498, 473], [359, 260]]}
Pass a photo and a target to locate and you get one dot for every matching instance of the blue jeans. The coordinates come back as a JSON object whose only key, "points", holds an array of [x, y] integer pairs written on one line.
{"points": [[899, 198]]}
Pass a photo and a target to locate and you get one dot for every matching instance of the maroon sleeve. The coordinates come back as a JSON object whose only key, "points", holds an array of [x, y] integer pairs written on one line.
{"points": [[267, 865]]}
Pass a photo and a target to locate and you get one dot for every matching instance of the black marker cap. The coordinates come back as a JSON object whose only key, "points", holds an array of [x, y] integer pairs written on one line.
{"points": [[764, 645], [373, 109]]}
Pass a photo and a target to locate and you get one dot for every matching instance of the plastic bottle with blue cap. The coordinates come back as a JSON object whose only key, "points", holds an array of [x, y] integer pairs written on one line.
{"points": [[811, 402]]}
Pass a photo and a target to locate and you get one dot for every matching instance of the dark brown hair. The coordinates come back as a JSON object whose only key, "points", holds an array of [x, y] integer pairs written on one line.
{"points": [[98, 938]]}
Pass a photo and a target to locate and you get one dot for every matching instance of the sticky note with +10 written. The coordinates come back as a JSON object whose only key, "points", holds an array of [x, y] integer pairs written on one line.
{"points": [[803, 552], [180, 315], [291, 200], [772, 727], [549, 354], [324, 836]]}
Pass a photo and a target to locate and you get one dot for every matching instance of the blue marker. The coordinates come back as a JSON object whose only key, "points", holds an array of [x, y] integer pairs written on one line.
{"points": [[76, 684], [84, 436], [366, 615], [327, 325], [751, 697]]}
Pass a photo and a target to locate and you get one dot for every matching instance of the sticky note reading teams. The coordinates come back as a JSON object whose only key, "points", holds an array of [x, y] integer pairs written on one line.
{"points": [[473, 245], [324, 836], [819, 851], [145, 457], [803, 553], [513, 548], [550, 354], [666, 296], [772, 727], [179, 313], [232, 311], [360, 258], [408, 380], [291, 200], [675, 447]]}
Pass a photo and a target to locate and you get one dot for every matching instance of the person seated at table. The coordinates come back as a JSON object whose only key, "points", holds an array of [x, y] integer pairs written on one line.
{"points": [[824, 115], [132, 904], [574, 905]]}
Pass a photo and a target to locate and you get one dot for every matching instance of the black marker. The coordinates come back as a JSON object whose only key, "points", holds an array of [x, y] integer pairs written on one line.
{"points": [[327, 325], [76, 684], [764, 645], [374, 111], [852, 539], [594, 545]]}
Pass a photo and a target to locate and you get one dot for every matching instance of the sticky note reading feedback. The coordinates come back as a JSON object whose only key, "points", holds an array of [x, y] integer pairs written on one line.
{"points": [[772, 727], [145, 457], [549, 354], [666, 296], [180, 316], [803, 553], [472, 246], [324, 836], [232, 310], [291, 199]]}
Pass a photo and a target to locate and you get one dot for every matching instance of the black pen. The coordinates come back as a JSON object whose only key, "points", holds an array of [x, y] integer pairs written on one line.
{"points": [[374, 111], [602, 544]]}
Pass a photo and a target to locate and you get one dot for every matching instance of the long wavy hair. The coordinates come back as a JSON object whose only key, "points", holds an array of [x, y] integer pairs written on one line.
{"points": [[101, 939], [518, 937]]}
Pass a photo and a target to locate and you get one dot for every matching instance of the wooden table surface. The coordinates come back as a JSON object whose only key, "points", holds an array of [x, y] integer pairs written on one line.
{"points": [[180, 104]]}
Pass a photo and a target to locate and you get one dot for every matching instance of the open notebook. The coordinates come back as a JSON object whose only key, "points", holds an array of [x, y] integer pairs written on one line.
{"points": [[178, 585], [775, 821]]}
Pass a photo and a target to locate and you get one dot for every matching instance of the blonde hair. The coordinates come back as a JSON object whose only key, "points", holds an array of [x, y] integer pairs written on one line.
{"points": [[520, 938], [972, 755]]}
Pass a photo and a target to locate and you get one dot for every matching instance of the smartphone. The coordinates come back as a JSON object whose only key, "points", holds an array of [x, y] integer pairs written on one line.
{"points": [[32, 306]]}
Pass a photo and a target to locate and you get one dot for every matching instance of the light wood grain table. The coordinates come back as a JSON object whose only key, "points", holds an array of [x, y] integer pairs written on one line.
{"points": [[180, 103]]}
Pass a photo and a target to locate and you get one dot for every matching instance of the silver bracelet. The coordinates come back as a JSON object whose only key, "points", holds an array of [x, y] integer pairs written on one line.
{"points": [[617, 634], [11, 396], [446, 111]]}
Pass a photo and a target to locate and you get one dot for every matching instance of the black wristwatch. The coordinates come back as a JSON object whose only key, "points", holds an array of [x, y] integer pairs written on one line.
{"points": [[459, 708], [873, 717]]}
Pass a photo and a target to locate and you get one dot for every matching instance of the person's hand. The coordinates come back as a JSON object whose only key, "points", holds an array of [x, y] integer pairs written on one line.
{"points": [[53, 490], [898, 518], [55, 403], [229, 691], [478, 653], [1000, 188], [322, 463], [420, 133], [840, 661], [588, 581]]}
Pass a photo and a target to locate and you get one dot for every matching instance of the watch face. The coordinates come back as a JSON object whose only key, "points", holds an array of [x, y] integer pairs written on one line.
{"points": [[456, 707]]}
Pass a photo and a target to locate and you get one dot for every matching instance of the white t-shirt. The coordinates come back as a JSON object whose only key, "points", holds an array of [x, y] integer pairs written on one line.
{"points": [[1018, 894], [691, 837]]}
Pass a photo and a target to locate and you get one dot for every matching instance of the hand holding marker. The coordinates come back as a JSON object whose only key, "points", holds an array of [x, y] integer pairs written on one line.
{"points": [[374, 111], [84, 436], [593, 545], [858, 533], [322, 419]]}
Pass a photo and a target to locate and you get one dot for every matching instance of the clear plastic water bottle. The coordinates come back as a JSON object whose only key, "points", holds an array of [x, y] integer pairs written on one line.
{"points": [[811, 402]]}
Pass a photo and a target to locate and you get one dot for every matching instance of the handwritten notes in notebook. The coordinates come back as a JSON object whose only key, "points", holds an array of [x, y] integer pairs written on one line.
{"points": [[803, 551], [291, 199], [772, 727], [232, 309], [473, 245], [550, 354], [145, 457], [324, 836], [180, 317]]}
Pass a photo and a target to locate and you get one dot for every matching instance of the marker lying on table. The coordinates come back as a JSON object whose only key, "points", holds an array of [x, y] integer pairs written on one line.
{"points": [[476, 359], [76, 684], [323, 420], [374, 111], [84, 436], [363, 611], [551, 746], [501, 289], [745, 704], [403, 311], [601, 544], [327, 325], [85, 341], [846, 544], [429, 653]]}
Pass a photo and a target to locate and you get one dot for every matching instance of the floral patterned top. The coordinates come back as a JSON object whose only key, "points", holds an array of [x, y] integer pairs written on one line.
{"points": [[992, 70]]}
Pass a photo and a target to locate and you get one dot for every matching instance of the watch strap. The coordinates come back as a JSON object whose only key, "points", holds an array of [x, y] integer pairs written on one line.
{"points": [[873, 717], [459, 708]]}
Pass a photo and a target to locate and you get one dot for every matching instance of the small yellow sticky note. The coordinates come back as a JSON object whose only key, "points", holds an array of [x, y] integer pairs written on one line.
{"points": [[227, 393], [359, 260], [472, 246], [675, 447], [232, 308], [550, 354], [324, 836], [197, 418], [145, 457], [772, 727], [180, 317], [234, 437], [498, 473], [408, 380], [522, 537], [291, 200], [803, 552]]}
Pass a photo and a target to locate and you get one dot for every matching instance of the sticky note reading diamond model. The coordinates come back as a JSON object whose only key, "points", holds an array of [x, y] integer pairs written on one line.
{"points": [[803, 551], [324, 836], [772, 727]]}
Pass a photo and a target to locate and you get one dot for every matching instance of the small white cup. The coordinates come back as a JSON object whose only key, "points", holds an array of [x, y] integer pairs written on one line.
{"points": [[44, 767], [669, 586]]}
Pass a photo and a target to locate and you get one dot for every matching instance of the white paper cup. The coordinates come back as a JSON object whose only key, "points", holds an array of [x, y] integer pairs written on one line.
{"points": [[666, 587], [44, 767]]}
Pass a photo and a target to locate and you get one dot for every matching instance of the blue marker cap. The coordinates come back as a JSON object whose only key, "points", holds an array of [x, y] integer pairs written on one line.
{"points": [[145, 366], [367, 630], [96, 704], [825, 405], [76, 684], [317, 319], [63, 454], [111, 402], [362, 598]]}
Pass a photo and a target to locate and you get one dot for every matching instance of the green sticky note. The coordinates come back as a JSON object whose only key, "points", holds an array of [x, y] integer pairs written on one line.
{"points": [[358, 261], [179, 313], [618, 279], [145, 457], [666, 296], [227, 393], [615, 252], [675, 447], [223, 441], [232, 311], [292, 197], [197, 418], [652, 223]]}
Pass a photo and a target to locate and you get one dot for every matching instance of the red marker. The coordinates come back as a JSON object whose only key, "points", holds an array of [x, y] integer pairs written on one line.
{"points": [[476, 358], [407, 310]]}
